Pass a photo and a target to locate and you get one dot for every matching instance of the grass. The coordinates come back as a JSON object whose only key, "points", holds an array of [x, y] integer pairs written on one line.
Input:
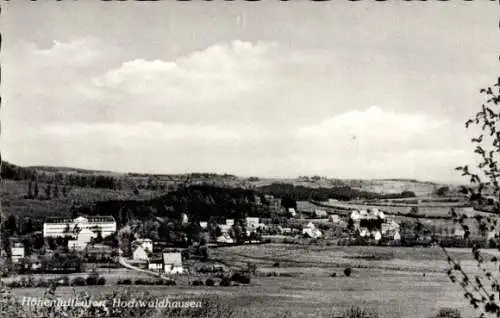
{"points": [[393, 286]]}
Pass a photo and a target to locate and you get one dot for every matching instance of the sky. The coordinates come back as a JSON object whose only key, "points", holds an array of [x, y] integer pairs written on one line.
{"points": [[271, 89]]}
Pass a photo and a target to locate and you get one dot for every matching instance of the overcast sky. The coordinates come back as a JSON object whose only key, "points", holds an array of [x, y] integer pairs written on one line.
{"points": [[340, 89]]}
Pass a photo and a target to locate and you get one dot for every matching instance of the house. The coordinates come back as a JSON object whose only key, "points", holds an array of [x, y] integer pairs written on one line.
{"points": [[172, 263], [204, 225], [184, 218], [320, 213], [311, 231], [224, 228], [156, 264], [334, 218], [140, 254], [397, 237], [56, 226], [252, 222], [292, 212], [83, 237], [17, 251], [147, 244], [229, 222], [225, 238]]}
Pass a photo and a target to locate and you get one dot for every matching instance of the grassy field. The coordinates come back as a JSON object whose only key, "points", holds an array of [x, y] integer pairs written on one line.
{"points": [[389, 280]]}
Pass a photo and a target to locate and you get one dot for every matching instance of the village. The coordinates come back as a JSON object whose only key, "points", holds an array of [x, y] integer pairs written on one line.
{"points": [[88, 244]]}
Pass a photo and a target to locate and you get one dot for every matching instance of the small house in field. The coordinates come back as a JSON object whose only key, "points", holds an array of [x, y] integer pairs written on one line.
{"points": [[334, 218], [252, 222], [17, 252], [397, 237], [225, 239], [320, 213], [292, 212], [311, 231], [229, 222], [140, 254], [172, 263]]}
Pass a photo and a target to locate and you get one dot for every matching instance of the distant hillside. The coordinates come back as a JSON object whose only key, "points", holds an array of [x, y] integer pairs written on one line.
{"points": [[154, 181]]}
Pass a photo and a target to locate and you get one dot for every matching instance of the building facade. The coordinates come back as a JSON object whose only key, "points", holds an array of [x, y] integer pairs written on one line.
{"points": [[56, 227]]}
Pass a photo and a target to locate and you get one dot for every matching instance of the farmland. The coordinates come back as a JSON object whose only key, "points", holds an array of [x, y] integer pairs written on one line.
{"points": [[389, 280]]}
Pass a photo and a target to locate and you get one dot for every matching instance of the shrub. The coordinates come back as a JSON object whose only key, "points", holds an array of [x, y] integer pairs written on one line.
{"points": [[277, 264], [347, 271], [101, 281], [225, 282], [209, 282], [333, 275], [92, 279], [241, 278], [197, 283], [170, 282], [78, 281], [356, 312], [125, 281], [448, 313]]}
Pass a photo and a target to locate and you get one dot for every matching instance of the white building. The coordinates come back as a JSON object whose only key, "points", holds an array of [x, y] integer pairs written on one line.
{"points": [[204, 225], [54, 227], [229, 222], [320, 213], [172, 263], [252, 222], [334, 218], [17, 252], [83, 237], [140, 254], [146, 244]]}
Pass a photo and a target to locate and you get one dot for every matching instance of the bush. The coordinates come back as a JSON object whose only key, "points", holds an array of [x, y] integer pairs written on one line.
{"points": [[241, 278], [197, 283], [170, 282], [101, 281], [92, 279], [225, 282], [277, 264], [78, 281], [448, 313], [356, 312], [333, 275], [347, 271], [125, 281], [209, 282]]}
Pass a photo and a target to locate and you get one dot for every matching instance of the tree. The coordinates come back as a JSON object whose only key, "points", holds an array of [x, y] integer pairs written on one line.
{"points": [[36, 188], [482, 290], [30, 190], [48, 190], [442, 191]]}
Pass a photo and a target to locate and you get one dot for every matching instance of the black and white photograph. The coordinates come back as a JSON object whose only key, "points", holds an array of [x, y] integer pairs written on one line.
{"points": [[234, 159]]}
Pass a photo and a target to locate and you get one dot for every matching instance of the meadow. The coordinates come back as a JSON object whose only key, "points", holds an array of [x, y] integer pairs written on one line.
{"points": [[396, 282]]}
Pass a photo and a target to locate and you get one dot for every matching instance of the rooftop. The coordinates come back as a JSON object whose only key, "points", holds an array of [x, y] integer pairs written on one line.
{"points": [[89, 219]]}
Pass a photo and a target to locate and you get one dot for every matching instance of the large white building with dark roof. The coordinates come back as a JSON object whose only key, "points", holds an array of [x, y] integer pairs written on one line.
{"points": [[54, 227]]}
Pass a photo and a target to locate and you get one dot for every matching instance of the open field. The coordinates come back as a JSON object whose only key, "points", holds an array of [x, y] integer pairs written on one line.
{"points": [[389, 280]]}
